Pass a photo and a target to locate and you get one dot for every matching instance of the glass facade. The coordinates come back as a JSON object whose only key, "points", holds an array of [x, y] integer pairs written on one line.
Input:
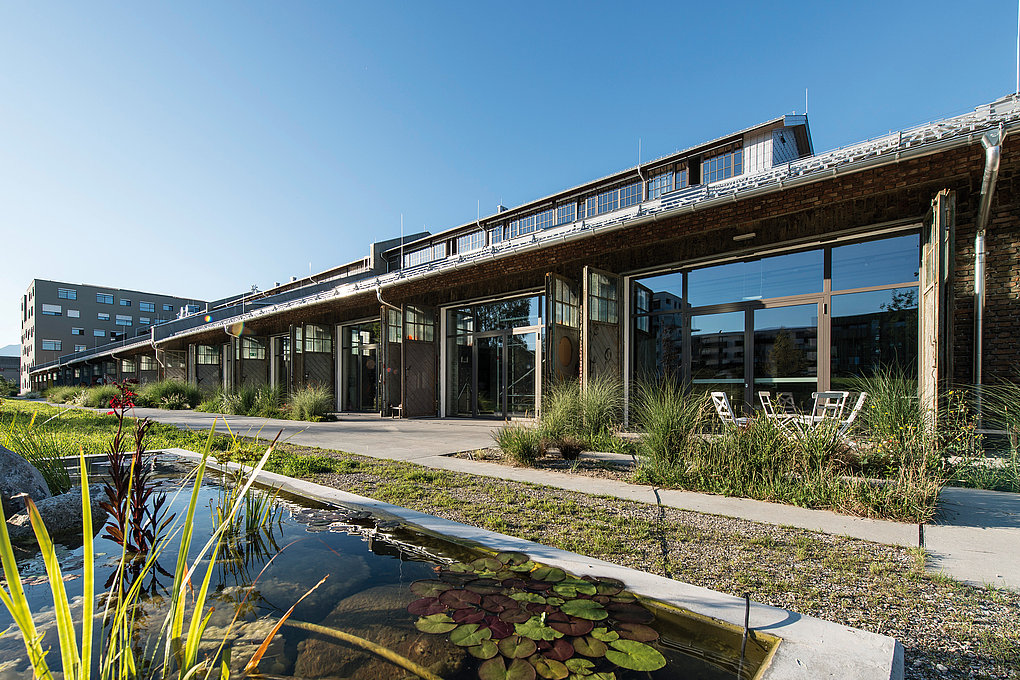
{"points": [[741, 327], [492, 358]]}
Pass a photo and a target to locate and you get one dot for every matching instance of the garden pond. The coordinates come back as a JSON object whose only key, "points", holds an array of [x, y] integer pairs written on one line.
{"points": [[459, 610]]}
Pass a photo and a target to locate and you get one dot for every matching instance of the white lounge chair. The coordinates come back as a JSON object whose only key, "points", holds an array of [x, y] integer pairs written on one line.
{"points": [[725, 411], [846, 425]]}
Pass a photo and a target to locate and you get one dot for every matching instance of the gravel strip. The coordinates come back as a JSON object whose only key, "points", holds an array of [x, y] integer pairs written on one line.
{"points": [[948, 629]]}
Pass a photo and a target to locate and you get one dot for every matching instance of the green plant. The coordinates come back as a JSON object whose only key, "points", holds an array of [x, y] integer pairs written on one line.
{"points": [[100, 396], [268, 401], [39, 447], [169, 394], [521, 444], [601, 406], [574, 419], [671, 421], [312, 403], [62, 394], [8, 388], [240, 401]]}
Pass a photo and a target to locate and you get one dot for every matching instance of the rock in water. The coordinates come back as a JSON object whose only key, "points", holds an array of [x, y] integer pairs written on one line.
{"points": [[380, 615], [18, 476], [61, 515]]}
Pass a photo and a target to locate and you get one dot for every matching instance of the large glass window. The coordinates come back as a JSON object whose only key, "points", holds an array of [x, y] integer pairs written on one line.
{"points": [[67, 293], [608, 201], [630, 195], [251, 348], [104, 298], [873, 330], [123, 320], [127, 366], [318, 339], [469, 242], [51, 345], [876, 263], [603, 299], [660, 183], [394, 326], [418, 323], [52, 310], [565, 305], [779, 276], [545, 219], [566, 213], [147, 363], [147, 306], [208, 355], [722, 166]]}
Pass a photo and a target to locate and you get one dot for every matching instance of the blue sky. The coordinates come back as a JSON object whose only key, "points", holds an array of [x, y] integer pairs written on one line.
{"points": [[199, 148]]}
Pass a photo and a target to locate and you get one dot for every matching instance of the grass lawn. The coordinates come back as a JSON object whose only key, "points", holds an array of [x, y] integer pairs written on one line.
{"points": [[949, 630]]}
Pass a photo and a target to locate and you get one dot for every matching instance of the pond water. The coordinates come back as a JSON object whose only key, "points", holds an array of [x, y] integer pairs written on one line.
{"points": [[458, 610]]}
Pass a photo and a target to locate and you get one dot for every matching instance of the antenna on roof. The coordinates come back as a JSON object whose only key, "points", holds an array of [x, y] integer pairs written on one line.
{"points": [[401, 240], [805, 101], [1018, 48]]}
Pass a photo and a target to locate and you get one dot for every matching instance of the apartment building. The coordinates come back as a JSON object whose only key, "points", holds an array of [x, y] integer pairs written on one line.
{"points": [[742, 263], [60, 319]]}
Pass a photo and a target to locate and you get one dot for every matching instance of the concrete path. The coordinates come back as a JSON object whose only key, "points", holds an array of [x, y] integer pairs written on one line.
{"points": [[975, 539]]}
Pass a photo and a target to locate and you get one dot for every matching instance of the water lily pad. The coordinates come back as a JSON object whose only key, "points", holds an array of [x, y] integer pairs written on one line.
{"points": [[469, 635], [435, 624], [528, 597], [500, 629], [584, 609], [554, 601], [550, 574], [484, 586], [551, 669], [514, 583], [429, 588], [623, 597], [514, 615], [516, 647], [496, 669], [456, 599], [468, 615], [570, 587], [426, 606], [536, 630], [637, 631], [497, 602], [484, 564], [630, 612], [607, 586], [572, 626], [512, 558], [579, 666], [604, 634], [460, 568], [560, 649], [540, 608], [486, 649], [589, 646], [522, 568], [635, 656], [539, 586]]}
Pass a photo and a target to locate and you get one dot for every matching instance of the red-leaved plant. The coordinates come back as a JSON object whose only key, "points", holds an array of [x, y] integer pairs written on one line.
{"points": [[138, 514]]}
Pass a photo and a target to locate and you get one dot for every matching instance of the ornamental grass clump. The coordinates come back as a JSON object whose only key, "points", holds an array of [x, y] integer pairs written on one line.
{"points": [[575, 419], [99, 396], [169, 394], [40, 447], [240, 401], [313, 403], [520, 443], [671, 421]]}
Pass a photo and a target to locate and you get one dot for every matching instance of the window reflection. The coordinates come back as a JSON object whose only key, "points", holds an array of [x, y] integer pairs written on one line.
{"points": [[792, 274], [874, 330], [876, 263]]}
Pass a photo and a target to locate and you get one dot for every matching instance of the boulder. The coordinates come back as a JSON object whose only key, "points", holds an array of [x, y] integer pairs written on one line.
{"points": [[380, 615], [61, 515], [18, 476]]}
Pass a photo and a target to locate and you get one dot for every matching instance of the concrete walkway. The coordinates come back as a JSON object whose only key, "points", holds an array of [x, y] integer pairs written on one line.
{"points": [[975, 539]]}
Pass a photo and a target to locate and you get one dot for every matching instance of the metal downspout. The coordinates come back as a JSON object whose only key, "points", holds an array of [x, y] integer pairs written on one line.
{"points": [[992, 141]]}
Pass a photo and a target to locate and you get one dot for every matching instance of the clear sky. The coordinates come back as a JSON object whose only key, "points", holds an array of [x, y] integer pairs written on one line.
{"points": [[199, 148]]}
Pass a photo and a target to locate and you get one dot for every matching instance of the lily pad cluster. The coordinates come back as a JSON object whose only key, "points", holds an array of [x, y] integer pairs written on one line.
{"points": [[526, 621]]}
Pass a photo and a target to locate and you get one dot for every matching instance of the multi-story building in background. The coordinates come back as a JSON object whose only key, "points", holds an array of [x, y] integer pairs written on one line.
{"points": [[59, 319], [10, 368]]}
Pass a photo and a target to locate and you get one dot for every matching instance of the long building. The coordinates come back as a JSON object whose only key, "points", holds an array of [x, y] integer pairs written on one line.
{"points": [[747, 262], [61, 319]]}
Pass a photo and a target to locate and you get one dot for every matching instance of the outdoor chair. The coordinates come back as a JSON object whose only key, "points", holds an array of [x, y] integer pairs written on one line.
{"points": [[785, 420], [828, 405], [785, 403], [725, 411], [846, 425]]}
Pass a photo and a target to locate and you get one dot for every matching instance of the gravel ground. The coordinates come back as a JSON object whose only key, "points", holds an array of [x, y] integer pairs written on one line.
{"points": [[948, 629]]}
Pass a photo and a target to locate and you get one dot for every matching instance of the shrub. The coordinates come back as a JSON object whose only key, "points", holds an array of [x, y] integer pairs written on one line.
{"points": [[574, 419], [169, 394], [311, 403], [240, 402], [601, 404], [40, 448], [8, 388], [269, 401], [98, 397], [521, 444], [671, 420], [62, 394]]}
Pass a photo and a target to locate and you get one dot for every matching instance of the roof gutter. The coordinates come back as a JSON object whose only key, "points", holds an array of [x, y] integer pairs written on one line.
{"points": [[992, 142]]}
